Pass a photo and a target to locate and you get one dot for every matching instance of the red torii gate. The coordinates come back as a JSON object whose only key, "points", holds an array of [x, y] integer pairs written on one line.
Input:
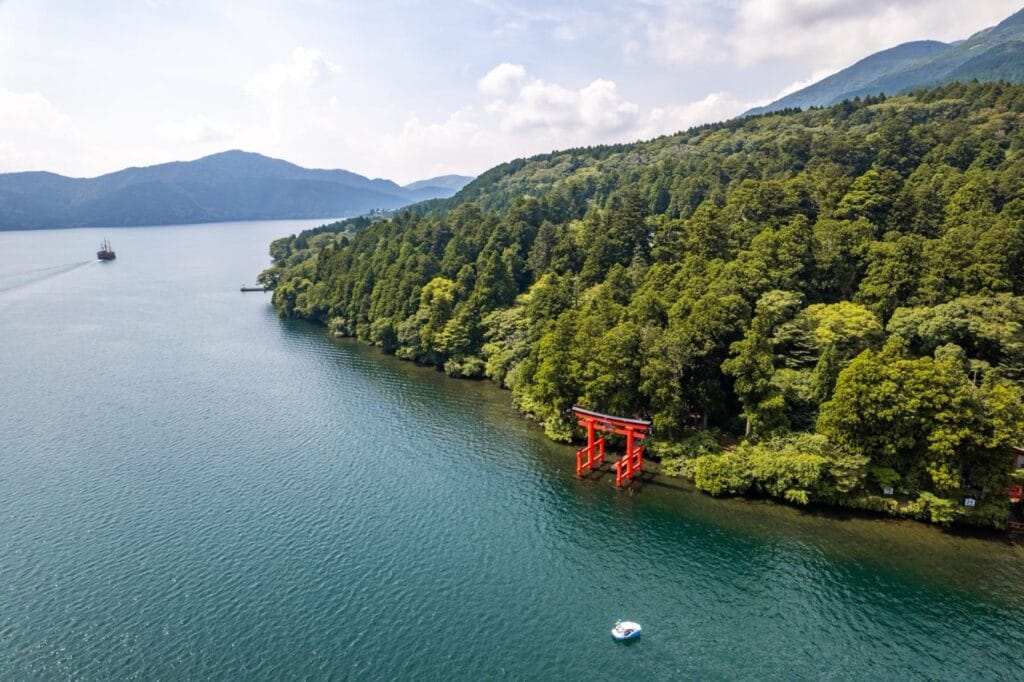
{"points": [[635, 430]]}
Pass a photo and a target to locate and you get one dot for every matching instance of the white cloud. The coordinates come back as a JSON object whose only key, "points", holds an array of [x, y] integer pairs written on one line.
{"points": [[818, 75], [31, 112], [535, 117], [838, 32], [768, 29], [515, 19], [300, 99], [829, 33], [717, 106], [379, 92], [564, 32], [195, 130], [306, 69], [675, 38], [538, 106], [456, 145], [35, 134], [501, 79], [601, 109]]}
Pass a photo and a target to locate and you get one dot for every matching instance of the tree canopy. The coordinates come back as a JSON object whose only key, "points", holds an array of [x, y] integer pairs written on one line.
{"points": [[842, 287]]}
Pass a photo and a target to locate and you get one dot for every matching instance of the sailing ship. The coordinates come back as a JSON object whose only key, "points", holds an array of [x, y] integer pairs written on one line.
{"points": [[106, 251]]}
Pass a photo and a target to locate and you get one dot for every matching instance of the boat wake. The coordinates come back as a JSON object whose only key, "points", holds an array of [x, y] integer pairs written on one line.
{"points": [[10, 281]]}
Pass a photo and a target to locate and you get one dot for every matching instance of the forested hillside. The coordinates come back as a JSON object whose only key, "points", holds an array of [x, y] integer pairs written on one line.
{"points": [[839, 289]]}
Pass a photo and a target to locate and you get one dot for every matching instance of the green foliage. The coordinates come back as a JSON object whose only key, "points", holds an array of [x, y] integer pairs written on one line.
{"points": [[874, 503], [923, 419], [988, 328], [694, 444], [723, 474], [885, 477], [677, 456], [470, 367], [752, 365], [680, 467], [991, 513], [790, 472], [933, 508], [856, 272], [796, 467]]}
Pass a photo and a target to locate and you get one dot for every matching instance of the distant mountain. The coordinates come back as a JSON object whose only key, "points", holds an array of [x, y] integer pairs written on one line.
{"points": [[440, 187], [232, 185], [834, 88], [452, 182], [995, 53]]}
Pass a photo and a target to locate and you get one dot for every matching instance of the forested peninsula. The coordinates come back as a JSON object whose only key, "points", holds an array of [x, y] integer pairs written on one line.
{"points": [[821, 306]]}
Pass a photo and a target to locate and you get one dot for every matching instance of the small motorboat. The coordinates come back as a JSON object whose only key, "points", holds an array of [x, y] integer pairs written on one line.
{"points": [[625, 630]]}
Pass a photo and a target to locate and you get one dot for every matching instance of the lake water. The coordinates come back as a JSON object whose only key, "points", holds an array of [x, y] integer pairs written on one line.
{"points": [[193, 488]]}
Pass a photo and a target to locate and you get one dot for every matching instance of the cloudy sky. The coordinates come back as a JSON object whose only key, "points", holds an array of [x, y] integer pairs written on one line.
{"points": [[405, 89]]}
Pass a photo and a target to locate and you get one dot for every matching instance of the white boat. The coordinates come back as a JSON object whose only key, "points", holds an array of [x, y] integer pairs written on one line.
{"points": [[625, 629]]}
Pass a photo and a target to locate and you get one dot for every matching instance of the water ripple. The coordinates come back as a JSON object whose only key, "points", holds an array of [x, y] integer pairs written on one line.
{"points": [[192, 488]]}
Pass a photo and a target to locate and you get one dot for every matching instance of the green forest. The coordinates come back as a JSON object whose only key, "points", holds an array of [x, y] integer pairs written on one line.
{"points": [[820, 306]]}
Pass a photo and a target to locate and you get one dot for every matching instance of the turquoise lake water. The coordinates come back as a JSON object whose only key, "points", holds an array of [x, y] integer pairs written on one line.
{"points": [[191, 488]]}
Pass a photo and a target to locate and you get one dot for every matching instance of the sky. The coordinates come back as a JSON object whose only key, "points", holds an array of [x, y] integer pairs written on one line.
{"points": [[408, 90]]}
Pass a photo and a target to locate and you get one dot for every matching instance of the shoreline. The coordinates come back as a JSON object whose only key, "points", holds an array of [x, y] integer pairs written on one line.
{"points": [[657, 479]]}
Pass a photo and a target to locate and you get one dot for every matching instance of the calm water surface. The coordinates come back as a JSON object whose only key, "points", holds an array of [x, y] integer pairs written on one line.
{"points": [[193, 488]]}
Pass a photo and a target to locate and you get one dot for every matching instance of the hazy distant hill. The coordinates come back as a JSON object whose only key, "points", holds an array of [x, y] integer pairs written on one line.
{"points": [[996, 53], [442, 186], [452, 182], [233, 185]]}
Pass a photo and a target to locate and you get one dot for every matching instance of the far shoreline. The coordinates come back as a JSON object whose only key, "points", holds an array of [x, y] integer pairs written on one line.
{"points": [[238, 221]]}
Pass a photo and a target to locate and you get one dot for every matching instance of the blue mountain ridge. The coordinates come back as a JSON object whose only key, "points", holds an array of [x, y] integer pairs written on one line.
{"points": [[995, 53], [231, 185]]}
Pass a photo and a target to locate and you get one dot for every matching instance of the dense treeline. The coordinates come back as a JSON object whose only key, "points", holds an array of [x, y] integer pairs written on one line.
{"points": [[840, 289], [288, 251]]}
